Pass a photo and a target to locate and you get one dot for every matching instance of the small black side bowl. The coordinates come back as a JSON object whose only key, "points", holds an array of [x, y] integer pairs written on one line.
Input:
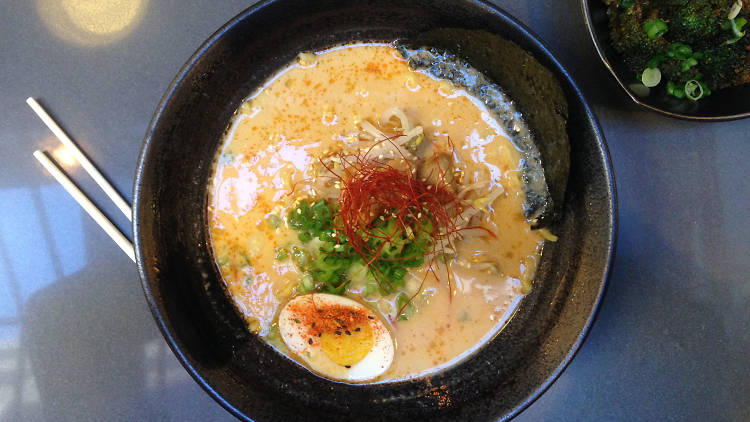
{"points": [[185, 291], [722, 105]]}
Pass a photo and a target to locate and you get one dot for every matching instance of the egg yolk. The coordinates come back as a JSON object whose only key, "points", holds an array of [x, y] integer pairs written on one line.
{"points": [[347, 347]]}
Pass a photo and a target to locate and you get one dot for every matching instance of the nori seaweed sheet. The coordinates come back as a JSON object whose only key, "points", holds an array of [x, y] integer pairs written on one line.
{"points": [[534, 111]]}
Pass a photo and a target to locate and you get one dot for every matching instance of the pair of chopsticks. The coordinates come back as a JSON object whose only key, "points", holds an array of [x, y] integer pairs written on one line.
{"points": [[54, 169]]}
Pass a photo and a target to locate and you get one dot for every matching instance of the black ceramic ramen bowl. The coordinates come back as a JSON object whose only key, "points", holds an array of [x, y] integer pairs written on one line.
{"points": [[721, 105], [183, 286]]}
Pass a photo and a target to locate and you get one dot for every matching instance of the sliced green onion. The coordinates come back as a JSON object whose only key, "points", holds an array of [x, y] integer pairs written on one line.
{"points": [[245, 257], [735, 10], [464, 316], [307, 284], [674, 90], [693, 90], [301, 257], [684, 51], [655, 28], [403, 301], [736, 26], [688, 63], [226, 158], [281, 254], [274, 221], [328, 258], [399, 273], [655, 61], [670, 87], [739, 23], [370, 288], [680, 51], [651, 77]]}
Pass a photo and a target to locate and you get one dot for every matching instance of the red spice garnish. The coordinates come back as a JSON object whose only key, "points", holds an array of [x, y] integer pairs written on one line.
{"points": [[331, 318], [373, 191], [372, 68]]}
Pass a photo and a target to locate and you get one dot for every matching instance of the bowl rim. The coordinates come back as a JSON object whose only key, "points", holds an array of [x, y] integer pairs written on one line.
{"points": [[585, 10], [146, 281]]}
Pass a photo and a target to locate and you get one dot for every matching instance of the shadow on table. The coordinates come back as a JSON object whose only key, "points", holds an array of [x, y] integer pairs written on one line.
{"points": [[85, 341], [94, 353]]}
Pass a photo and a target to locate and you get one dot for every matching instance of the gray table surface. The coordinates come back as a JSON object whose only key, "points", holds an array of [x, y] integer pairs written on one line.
{"points": [[77, 341]]}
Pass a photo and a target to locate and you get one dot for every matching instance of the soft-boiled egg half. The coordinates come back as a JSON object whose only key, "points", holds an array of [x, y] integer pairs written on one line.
{"points": [[336, 336]]}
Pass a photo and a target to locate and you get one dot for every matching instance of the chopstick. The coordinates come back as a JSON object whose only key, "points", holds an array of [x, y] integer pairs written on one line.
{"points": [[52, 167], [110, 191], [86, 203]]}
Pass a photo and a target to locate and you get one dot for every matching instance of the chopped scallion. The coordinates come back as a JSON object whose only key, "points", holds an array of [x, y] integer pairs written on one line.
{"points": [[688, 63], [655, 61], [674, 90], [274, 221], [735, 9], [680, 51], [332, 262], [402, 301], [307, 284], [693, 90], [651, 77], [655, 28]]}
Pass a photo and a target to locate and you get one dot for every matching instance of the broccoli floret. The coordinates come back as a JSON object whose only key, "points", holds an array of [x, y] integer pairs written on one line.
{"points": [[695, 23], [720, 64], [628, 36], [627, 26]]}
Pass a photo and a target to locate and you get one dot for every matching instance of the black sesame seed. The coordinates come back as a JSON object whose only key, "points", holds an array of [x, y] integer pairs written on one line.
{"points": [[357, 329], [338, 333], [310, 341], [370, 316], [348, 333], [347, 366], [313, 324]]}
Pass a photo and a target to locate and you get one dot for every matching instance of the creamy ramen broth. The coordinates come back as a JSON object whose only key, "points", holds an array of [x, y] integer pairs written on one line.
{"points": [[270, 160]]}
